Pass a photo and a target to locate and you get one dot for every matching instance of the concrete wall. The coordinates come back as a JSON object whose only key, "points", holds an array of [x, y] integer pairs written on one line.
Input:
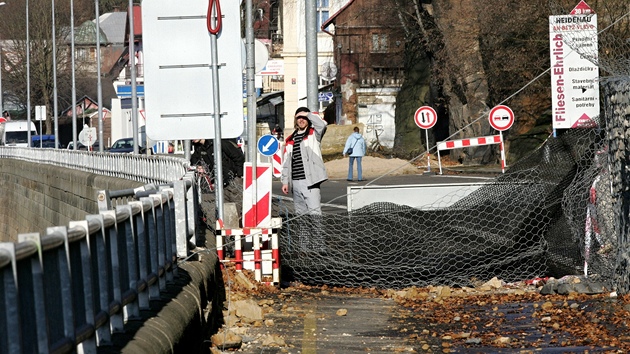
{"points": [[37, 196]]}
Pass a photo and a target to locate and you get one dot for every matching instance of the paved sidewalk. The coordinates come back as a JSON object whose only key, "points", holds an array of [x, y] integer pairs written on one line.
{"points": [[441, 320]]}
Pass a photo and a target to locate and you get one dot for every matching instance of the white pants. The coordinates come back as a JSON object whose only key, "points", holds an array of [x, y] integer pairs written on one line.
{"points": [[306, 201]]}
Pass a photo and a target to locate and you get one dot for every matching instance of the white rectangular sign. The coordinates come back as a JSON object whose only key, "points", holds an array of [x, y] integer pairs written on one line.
{"points": [[273, 67], [40, 112], [574, 78], [178, 83]]}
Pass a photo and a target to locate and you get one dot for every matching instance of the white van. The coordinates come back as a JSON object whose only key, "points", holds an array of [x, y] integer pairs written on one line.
{"points": [[16, 133]]}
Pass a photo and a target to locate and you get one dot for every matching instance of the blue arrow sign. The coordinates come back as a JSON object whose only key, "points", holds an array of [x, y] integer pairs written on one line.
{"points": [[268, 145]]}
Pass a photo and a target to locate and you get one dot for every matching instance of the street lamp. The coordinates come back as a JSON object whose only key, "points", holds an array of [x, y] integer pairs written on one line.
{"points": [[1, 95], [74, 89], [54, 62], [99, 85], [28, 80]]}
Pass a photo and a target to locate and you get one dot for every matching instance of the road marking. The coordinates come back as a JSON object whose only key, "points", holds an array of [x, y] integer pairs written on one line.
{"points": [[309, 341]]}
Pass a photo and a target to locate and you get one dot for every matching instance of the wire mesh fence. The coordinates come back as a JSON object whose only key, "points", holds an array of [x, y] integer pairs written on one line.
{"points": [[529, 222], [562, 209], [548, 214], [557, 211]]}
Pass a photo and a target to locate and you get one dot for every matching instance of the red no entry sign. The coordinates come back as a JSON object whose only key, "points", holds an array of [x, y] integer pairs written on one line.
{"points": [[425, 117], [501, 117]]}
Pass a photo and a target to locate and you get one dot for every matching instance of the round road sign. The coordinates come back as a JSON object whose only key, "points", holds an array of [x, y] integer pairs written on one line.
{"points": [[425, 117], [87, 136], [268, 145], [501, 117]]}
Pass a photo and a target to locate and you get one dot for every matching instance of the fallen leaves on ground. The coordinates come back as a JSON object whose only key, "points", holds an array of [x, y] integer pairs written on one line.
{"points": [[493, 314]]}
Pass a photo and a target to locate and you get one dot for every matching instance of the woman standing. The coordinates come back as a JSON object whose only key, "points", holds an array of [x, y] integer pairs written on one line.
{"points": [[355, 149]]}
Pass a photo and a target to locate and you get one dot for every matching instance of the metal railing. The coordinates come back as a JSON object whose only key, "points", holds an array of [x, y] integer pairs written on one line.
{"points": [[70, 289], [140, 168]]}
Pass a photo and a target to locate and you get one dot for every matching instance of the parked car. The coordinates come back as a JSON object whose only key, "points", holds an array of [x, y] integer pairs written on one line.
{"points": [[94, 147], [124, 145], [44, 141]]}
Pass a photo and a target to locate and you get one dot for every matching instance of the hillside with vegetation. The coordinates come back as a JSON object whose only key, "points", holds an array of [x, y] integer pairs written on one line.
{"points": [[464, 57]]}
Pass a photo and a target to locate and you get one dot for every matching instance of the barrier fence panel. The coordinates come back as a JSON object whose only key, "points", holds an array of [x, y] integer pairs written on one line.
{"points": [[470, 142]]}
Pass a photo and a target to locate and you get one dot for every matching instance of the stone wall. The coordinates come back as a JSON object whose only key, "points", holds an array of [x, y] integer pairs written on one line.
{"points": [[37, 196]]}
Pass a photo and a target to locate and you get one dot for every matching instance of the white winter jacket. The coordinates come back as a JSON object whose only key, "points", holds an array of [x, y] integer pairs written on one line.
{"points": [[310, 148]]}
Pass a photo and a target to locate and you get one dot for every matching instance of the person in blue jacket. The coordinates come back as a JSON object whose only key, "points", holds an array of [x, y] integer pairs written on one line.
{"points": [[355, 149]]}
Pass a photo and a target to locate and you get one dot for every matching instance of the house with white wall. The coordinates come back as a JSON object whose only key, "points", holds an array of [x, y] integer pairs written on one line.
{"points": [[122, 123], [294, 52]]}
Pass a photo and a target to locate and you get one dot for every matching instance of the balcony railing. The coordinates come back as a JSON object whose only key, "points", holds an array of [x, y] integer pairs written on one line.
{"points": [[370, 77]]}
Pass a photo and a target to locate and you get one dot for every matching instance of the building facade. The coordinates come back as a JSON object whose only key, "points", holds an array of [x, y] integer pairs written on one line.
{"points": [[294, 52], [369, 54]]}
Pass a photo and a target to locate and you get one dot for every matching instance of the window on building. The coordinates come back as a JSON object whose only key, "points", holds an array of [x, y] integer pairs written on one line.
{"points": [[81, 54], [379, 42], [275, 15], [322, 13], [85, 54]]}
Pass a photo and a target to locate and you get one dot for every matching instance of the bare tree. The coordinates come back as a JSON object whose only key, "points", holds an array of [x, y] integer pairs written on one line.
{"points": [[466, 56], [41, 52]]}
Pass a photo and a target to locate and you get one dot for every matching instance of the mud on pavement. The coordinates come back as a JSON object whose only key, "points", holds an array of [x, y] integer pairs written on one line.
{"points": [[493, 317]]}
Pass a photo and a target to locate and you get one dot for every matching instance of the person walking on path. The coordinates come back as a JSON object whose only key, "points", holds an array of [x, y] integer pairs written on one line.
{"points": [[355, 149], [303, 170]]}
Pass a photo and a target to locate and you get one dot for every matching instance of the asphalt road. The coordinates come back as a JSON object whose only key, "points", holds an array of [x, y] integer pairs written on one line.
{"points": [[334, 191]]}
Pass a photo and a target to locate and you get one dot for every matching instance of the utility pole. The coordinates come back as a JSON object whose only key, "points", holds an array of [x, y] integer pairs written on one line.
{"points": [[54, 58], [132, 72], [249, 85], [99, 85], [74, 82], [312, 101], [1, 94], [28, 80]]}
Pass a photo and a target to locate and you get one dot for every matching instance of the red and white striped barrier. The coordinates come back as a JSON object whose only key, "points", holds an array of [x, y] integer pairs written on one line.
{"points": [[455, 144], [470, 142], [277, 161], [257, 211], [255, 249]]}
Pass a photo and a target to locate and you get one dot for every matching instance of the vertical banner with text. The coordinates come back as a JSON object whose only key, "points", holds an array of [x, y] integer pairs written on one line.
{"points": [[574, 70]]}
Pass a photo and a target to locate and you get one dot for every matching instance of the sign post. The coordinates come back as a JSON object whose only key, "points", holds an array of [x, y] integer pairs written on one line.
{"points": [[181, 82], [325, 96], [425, 118], [574, 71], [501, 118], [268, 145], [40, 115], [88, 136]]}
